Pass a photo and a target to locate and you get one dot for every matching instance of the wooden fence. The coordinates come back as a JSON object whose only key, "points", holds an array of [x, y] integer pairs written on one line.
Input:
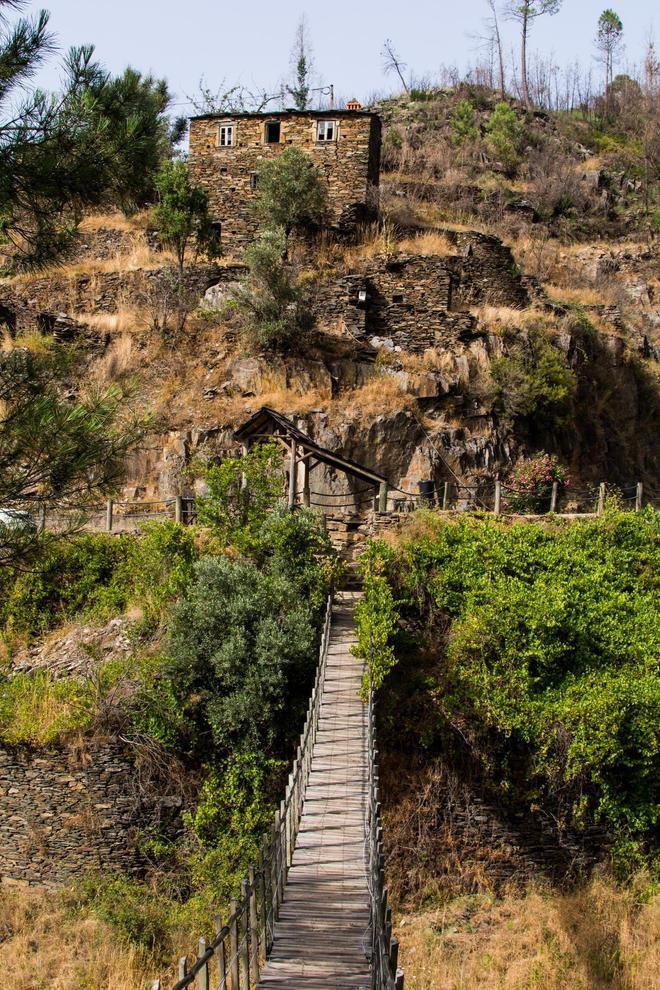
{"points": [[232, 959]]}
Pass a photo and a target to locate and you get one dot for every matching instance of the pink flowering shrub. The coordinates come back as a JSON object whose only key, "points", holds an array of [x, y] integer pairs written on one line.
{"points": [[529, 486]]}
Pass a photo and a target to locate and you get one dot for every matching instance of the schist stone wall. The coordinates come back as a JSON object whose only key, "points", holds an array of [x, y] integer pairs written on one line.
{"points": [[64, 814], [349, 163]]}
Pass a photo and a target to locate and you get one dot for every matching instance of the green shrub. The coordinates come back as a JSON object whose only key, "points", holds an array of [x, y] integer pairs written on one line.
{"points": [[242, 651], [550, 665], [506, 136], [376, 618], [241, 491], [464, 123], [533, 382], [68, 578], [529, 486], [37, 710]]}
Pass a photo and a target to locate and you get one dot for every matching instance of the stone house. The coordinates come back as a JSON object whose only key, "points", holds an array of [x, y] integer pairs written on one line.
{"points": [[227, 151]]}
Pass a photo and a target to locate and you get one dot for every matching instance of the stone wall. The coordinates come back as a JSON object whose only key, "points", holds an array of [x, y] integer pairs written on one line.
{"points": [[350, 164], [65, 813]]}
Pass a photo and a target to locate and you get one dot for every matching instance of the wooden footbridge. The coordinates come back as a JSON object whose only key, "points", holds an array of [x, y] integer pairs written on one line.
{"points": [[313, 910]]}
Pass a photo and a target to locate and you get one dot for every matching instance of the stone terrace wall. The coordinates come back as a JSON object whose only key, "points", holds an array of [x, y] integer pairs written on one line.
{"points": [[26, 303], [486, 272], [350, 165], [62, 815]]}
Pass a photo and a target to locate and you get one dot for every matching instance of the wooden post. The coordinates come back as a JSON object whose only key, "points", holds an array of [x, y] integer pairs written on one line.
{"points": [[245, 450], [245, 937], [293, 460], [305, 480], [398, 980], [276, 867], [394, 955], [203, 975], [498, 496], [382, 497], [41, 526], [445, 495], [178, 509], [601, 498], [263, 898], [155, 985], [220, 953], [233, 945], [639, 497], [109, 506], [183, 967], [254, 925], [554, 496]]}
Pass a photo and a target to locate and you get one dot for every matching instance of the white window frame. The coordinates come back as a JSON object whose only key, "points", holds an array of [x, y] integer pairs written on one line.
{"points": [[230, 126], [322, 127]]}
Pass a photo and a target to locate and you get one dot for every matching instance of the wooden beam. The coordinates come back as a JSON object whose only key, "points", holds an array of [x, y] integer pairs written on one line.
{"points": [[293, 461], [305, 478]]}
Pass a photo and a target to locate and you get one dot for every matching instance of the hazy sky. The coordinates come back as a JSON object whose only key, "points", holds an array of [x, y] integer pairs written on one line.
{"points": [[250, 40]]}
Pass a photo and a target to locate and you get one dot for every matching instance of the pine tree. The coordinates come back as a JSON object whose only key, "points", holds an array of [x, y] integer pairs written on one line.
{"points": [[525, 12]]}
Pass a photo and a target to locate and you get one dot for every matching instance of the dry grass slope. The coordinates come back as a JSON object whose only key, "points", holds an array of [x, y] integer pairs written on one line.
{"points": [[595, 938]]}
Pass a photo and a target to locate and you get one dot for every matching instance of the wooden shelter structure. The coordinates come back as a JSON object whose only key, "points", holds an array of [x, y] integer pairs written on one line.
{"points": [[305, 455]]}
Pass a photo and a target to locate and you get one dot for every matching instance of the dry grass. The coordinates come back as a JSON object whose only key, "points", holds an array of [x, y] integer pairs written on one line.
{"points": [[124, 320], [594, 938], [115, 221], [381, 395], [45, 945], [36, 343], [118, 360], [502, 317], [582, 295], [139, 256], [428, 242]]}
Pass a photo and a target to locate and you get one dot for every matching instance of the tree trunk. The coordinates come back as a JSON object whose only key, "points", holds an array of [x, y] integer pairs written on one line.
{"points": [[523, 67]]}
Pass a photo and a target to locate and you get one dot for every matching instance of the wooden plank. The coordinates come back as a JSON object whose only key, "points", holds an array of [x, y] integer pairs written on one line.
{"points": [[322, 931]]}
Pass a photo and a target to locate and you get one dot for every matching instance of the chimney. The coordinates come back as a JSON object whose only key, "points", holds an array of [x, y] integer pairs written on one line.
{"points": [[353, 105]]}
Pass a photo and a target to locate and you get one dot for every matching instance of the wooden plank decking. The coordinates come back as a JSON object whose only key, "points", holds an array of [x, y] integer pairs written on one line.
{"points": [[321, 937]]}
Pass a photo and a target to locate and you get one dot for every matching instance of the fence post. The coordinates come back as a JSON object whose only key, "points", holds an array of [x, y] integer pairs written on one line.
{"points": [[445, 495], [601, 498], [178, 509], [639, 497], [498, 496], [220, 952], [398, 981], [254, 925], [203, 975], [245, 935], [109, 506], [382, 497], [183, 967], [233, 945], [553, 497], [155, 985], [292, 474]]}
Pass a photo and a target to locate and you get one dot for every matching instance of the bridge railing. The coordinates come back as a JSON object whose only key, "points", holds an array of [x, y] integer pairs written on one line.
{"points": [[386, 974], [232, 959]]}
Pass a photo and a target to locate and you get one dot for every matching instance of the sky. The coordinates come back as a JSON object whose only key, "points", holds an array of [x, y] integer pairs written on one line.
{"points": [[249, 41]]}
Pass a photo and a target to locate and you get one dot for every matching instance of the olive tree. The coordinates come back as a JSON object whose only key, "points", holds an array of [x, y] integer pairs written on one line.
{"points": [[291, 193]]}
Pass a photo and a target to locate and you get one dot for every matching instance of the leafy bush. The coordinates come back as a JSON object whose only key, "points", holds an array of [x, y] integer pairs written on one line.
{"points": [[241, 492], [36, 710], [464, 122], [376, 618], [506, 135], [272, 305], [550, 667], [291, 193], [242, 651], [532, 381], [529, 486]]}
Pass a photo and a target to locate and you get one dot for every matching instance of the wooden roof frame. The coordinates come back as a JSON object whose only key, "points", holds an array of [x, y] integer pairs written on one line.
{"points": [[268, 422]]}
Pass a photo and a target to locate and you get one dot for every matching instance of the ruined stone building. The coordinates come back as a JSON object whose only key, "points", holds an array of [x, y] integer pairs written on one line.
{"points": [[226, 153]]}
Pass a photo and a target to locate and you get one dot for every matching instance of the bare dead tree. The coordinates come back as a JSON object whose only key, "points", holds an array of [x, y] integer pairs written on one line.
{"points": [[392, 63], [494, 25]]}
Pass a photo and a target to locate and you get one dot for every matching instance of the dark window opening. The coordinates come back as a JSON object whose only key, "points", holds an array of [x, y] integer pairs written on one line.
{"points": [[217, 231], [397, 299], [272, 134], [254, 180]]}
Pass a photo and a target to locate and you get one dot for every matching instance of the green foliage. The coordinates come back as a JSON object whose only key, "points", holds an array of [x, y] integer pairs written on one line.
{"points": [[181, 217], [68, 577], [36, 710], [55, 452], [241, 491], [506, 135], [529, 487], [464, 122], [533, 382], [290, 193], [96, 141], [551, 662], [273, 306], [158, 567], [376, 617], [242, 650]]}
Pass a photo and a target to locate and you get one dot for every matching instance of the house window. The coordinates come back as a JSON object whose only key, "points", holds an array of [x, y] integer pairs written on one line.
{"points": [[254, 180], [226, 135], [272, 132], [326, 130]]}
